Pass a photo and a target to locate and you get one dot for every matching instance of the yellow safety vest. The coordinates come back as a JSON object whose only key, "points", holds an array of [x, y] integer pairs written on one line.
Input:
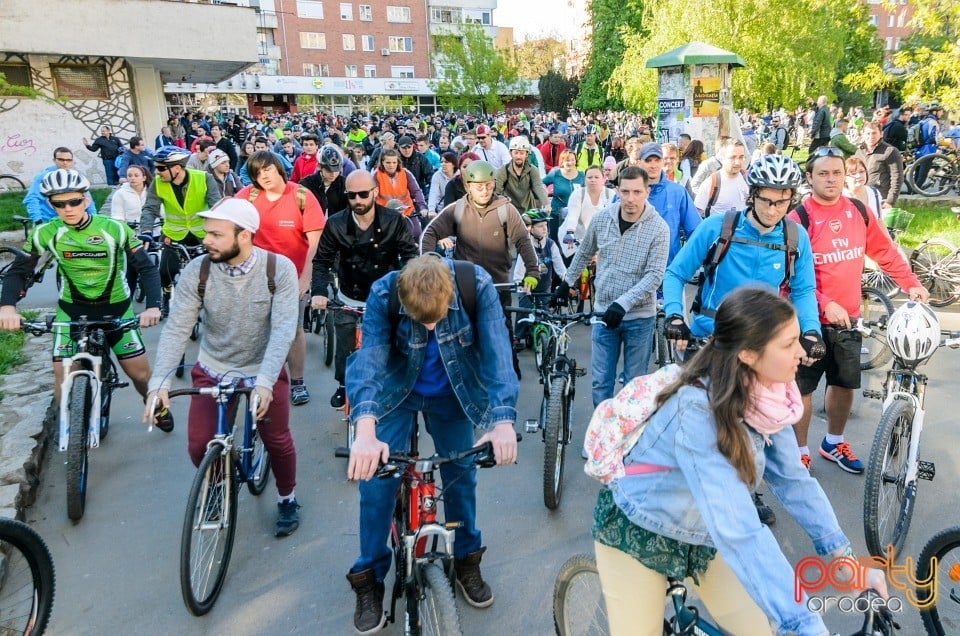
{"points": [[178, 222]]}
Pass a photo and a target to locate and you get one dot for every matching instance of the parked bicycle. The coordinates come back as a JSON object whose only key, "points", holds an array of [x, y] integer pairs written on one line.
{"points": [[896, 220], [89, 379], [27, 580], [940, 172], [938, 583], [11, 183], [936, 262], [875, 312]]}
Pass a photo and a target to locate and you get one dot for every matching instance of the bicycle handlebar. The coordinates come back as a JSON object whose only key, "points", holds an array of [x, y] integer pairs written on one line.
{"points": [[546, 315], [40, 327], [400, 459], [223, 388]]}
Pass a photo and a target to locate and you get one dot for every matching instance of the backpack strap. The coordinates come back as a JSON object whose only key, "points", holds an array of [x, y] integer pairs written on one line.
{"points": [[802, 214], [204, 275], [714, 255], [863, 210], [714, 193], [271, 272], [254, 193], [464, 278]]}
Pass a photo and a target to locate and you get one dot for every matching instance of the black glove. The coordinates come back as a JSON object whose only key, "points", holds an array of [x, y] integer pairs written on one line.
{"points": [[813, 344], [561, 295], [613, 316], [675, 328]]}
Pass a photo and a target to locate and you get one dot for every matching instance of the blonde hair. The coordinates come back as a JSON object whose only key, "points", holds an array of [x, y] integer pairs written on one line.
{"points": [[425, 288]]}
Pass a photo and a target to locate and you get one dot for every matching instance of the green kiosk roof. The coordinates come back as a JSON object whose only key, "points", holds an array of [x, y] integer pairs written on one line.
{"points": [[695, 53]]}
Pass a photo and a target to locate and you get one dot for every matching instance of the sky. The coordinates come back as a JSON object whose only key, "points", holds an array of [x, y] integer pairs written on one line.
{"points": [[541, 18]]}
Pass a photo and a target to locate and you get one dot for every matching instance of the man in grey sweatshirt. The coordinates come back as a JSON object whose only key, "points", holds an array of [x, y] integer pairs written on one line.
{"points": [[249, 311]]}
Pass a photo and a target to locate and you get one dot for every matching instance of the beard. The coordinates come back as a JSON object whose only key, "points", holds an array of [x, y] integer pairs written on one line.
{"points": [[226, 255]]}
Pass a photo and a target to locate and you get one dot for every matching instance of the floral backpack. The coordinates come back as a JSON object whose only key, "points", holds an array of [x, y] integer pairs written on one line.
{"points": [[617, 423]]}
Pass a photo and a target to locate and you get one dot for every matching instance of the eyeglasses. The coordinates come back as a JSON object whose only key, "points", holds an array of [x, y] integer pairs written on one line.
{"points": [[828, 151], [64, 159], [781, 203], [69, 203], [360, 194]]}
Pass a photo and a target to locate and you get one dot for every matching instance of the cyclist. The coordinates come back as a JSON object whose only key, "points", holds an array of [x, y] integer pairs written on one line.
{"points": [[92, 252], [552, 268], [249, 320], [397, 188], [683, 507], [183, 194], [38, 206], [367, 240], [670, 199], [438, 358], [519, 180], [327, 183]]}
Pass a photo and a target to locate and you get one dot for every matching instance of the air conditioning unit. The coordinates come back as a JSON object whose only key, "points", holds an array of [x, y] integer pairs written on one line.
{"points": [[384, 51]]}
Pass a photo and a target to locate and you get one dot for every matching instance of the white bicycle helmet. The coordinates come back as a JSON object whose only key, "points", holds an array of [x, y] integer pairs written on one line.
{"points": [[520, 143], [913, 333], [63, 181]]}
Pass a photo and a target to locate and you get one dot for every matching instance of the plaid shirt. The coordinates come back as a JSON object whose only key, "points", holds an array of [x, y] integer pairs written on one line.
{"points": [[630, 266], [239, 270]]}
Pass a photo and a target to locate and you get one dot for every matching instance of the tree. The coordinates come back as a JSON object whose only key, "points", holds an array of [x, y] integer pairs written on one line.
{"points": [[609, 21], [557, 92], [862, 49], [535, 56], [472, 73]]}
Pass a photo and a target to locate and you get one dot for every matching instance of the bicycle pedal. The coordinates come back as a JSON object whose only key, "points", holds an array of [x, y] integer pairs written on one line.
{"points": [[119, 384], [875, 395], [531, 425], [926, 470]]}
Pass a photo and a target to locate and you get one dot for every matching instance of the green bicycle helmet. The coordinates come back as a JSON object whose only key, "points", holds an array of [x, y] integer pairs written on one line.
{"points": [[478, 172], [535, 216]]}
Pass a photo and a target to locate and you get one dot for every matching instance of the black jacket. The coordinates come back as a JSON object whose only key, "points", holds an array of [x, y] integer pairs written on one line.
{"points": [[420, 168], [361, 264], [895, 134], [454, 191], [332, 199], [227, 146], [109, 147]]}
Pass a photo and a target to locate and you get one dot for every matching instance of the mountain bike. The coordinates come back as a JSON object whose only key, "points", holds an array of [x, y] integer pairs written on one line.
{"points": [[423, 547], [897, 221], [894, 469], [579, 609], [89, 380], [27, 579], [936, 262], [210, 523], [559, 379], [10, 183], [938, 583], [942, 173], [875, 311]]}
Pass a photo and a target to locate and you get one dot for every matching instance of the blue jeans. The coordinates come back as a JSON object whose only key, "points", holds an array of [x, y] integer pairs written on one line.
{"points": [[636, 338], [111, 171], [452, 433]]}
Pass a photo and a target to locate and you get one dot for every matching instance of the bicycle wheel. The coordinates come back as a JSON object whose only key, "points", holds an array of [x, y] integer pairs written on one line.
{"points": [[208, 529], [437, 608], [940, 600], [941, 175], [259, 465], [887, 498], [327, 337], [7, 256], [936, 265], [109, 381], [880, 281], [27, 581], [578, 607], [77, 466], [541, 343], [554, 444], [875, 310], [10, 183]]}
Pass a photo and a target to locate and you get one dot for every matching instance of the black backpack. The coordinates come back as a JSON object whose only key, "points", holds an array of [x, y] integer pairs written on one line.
{"points": [[464, 277], [805, 218]]}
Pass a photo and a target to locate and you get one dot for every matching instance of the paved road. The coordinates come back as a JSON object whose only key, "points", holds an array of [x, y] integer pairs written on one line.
{"points": [[117, 570]]}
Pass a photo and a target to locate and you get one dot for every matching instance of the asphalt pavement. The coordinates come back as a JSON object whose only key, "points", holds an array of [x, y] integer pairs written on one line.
{"points": [[118, 568]]}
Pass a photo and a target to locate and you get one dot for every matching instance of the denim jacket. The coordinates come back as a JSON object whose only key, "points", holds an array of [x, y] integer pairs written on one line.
{"points": [[476, 357], [702, 501]]}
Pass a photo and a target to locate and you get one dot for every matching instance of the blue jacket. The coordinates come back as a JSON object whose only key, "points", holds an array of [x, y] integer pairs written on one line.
{"points": [[477, 357], [701, 500], [675, 205], [929, 127], [38, 208], [127, 159], [742, 264]]}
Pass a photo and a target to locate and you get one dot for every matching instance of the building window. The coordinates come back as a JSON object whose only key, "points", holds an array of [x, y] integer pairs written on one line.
{"points": [[80, 82], [16, 74], [401, 44], [316, 70], [368, 44], [349, 42], [346, 11], [401, 72], [350, 70], [312, 40], [310, 9], [889, 44], [873, 19], [369, 70], [398, 14], [366, 12], [446, 15], [901, 18], [477, 17], [896, 44], [891, 20]]}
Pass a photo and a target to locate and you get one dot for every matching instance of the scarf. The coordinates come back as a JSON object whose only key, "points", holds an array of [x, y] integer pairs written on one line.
{"points": [[772, 408]]}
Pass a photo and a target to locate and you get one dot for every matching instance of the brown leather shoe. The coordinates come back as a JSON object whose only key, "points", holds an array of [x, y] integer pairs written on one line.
{"points": [[474, 589], [368, 617]]}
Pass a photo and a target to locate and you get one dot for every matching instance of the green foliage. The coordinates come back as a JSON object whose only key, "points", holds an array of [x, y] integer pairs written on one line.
{"points": [[557, 92], [610, 20], [13, 90], [862, 49], [534, 57], [479, 74], [929, 222]]}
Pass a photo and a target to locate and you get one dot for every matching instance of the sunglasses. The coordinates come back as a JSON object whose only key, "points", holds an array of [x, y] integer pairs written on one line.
{"points": [[69, 203], [782, 203], [162, 168], [827, 151], [360, 194], [66, 159]]}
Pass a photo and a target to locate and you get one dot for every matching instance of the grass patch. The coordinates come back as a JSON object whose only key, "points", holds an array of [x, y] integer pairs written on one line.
{"points": [[12, 203], [11, 346], [929, 222]]}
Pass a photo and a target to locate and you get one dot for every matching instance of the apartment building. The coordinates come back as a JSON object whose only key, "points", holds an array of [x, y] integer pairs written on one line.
{"points": [[892, 20]]}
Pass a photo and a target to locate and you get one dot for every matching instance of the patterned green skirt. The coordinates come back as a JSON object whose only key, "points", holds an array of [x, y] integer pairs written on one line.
{"points": [[671, 558]]}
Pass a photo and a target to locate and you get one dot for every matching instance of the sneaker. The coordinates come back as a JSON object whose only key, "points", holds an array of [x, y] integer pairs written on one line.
{"points": [[764, 511], [805, 460], [368, 617], [164, 420], [338, 399], [474, 589], [842, 455], [288, 519], [299, 394]]}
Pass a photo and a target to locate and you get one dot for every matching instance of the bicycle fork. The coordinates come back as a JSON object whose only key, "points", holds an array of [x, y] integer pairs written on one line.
{"points": [[225, 482], [93, 418]]}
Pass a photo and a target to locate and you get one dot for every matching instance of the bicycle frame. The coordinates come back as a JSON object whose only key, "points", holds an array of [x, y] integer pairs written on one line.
{"points": [[357, 342]]}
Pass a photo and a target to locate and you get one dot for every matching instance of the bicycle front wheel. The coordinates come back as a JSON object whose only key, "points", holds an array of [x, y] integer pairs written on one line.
{"points": [[939, 597], [28, 580], [936, 265], [940, 174], [437, 608], [541, 344], [578, 607], [875, 310], [7, 256], [555, 444], [10, 183], [881, 281], [259, 465], [77, 446], [887, 499], [328, 339], [208, 530]]}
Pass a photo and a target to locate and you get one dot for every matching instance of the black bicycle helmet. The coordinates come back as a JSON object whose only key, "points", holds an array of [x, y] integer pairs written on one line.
{"points": [[774, 171], [63, 181], [330, 157]]}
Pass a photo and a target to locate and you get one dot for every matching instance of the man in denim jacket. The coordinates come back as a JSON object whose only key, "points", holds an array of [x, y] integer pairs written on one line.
{"points": [[457, 371]]}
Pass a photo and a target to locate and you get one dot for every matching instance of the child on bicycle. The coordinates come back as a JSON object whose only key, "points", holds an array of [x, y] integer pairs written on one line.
{"points": [[552, 270]]}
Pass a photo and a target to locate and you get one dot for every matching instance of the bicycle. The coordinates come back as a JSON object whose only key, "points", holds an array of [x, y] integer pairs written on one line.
{"points": [[210, 521], [875, 311], [936, 262], [357, 342], [89, 379], [559, 379], [185, 254], [10, 183], [938, 574], [663, 352], [27, 582], [894, 469], [422, 547], [319, 322], [897, 221], [942, 173]]}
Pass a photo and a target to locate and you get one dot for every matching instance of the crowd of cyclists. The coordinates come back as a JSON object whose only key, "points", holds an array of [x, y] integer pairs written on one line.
{"points": [[299, 211]]}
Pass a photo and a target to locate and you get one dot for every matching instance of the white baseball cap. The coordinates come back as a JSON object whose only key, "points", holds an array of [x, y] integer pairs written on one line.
{"points": [[240, 212]]}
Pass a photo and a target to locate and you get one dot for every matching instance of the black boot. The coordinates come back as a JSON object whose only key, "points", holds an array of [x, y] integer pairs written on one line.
{"points": [[368, 618], [475, 590]]}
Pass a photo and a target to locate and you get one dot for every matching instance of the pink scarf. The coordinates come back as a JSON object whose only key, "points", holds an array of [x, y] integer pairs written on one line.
{"points": [[771, 408]]}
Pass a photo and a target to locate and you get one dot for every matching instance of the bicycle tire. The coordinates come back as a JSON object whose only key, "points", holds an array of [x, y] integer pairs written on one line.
{"points": [[541, 342], [880, 280], [554, 449], [10, 183], [29, 580], [936, 265], [328, 340], [942, 617], [886, 499], [578, 606], [941, 175], [80, 405], [875, 307], [437, 606], [201, 579], [259, 465], [110, 379], [7, 256]]}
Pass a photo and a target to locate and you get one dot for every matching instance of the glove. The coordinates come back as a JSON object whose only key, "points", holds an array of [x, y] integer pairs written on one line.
{"points": [[675, 328], [813, 344], [613, 316], [562, 294], [530, 282], [569, 238]]}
